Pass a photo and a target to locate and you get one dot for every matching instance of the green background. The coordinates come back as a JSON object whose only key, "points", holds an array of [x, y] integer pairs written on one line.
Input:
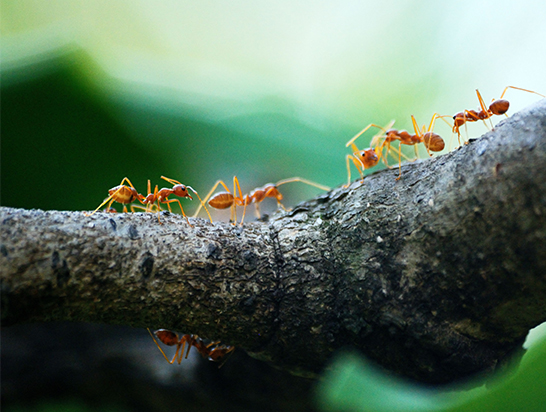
{"points": [[93, 91]]}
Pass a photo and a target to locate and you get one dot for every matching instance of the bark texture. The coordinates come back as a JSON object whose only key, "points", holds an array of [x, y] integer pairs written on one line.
{"points": [[436, 276]]}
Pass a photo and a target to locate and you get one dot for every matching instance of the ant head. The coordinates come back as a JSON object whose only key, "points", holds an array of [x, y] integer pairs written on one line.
{"points": [[369, 158], [459, 119], [181, 191]]}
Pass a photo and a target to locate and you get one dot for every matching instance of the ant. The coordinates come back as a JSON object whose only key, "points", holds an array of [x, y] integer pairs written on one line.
{"points": [[432, 141], [498, 107], [367, 158], [223, 200], [162, 196], [211, 351], [122, 194]]}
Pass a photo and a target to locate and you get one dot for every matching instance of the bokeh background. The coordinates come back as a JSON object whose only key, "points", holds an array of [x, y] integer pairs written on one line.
{"points": [[93, 91]]}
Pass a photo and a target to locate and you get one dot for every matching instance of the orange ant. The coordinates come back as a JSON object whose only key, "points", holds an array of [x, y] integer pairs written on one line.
{"points": [[498, 107], [121, 194], [432, 141], [364, 159], [211, 351], [162, 196], [223, 200]]}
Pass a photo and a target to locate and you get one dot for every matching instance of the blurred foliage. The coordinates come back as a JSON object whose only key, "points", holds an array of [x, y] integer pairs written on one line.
{"points": [[61, 406], [69, 133], [355, 384]]}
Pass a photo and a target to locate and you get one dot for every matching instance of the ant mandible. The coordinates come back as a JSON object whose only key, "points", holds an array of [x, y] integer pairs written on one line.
{"points": [[223, 200], [498, 107], [122, 194], [367, 158], [162, 196]]}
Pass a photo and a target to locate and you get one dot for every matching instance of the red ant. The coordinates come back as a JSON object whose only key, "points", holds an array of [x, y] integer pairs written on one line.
{"points": [[498, 107], [121, 194], [432, 141], [211, 351], [162, 196], [223, 200]]}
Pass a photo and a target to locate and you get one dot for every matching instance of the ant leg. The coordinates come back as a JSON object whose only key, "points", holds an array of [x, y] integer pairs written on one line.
{"points": [[200, 201], [399, 161], [418, 132], [108, 199], [358, 165], [350, 142], [236, 187], [244, 212], [190, 339], [302, 180], [518, 88], [133, 207], [257, 210], [485, 109], [169, 201], [180, 349], [382, 134]]}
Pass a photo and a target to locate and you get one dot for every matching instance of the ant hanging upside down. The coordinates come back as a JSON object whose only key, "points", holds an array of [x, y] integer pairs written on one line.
{"points": [[212, 351]]}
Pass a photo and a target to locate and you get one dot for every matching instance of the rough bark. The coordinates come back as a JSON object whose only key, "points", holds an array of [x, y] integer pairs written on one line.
{"points": [[436, 276]]}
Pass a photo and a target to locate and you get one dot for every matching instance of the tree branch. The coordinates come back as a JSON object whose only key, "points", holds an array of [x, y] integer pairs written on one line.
{"points": [[435, 276]]}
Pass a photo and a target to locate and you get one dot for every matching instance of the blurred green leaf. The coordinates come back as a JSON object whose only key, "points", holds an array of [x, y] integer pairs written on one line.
{"points": [[354, 384]]}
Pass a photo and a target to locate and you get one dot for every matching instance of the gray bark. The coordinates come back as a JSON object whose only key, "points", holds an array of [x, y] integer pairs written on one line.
{"points": [[436, 276]]}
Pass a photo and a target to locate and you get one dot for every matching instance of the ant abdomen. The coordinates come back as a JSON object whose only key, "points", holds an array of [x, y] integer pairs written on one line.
{"points": [[500, 106], [433, 142], [221, 200]]}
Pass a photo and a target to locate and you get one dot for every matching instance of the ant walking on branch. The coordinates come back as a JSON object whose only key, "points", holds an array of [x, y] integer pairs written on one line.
{"points": [[432, 141], [122, 194], [497, 107], [162, 196], [223, 200]]}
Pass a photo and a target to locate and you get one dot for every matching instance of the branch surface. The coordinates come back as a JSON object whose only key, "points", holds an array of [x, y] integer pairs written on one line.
{"points": [[436, 276]]}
